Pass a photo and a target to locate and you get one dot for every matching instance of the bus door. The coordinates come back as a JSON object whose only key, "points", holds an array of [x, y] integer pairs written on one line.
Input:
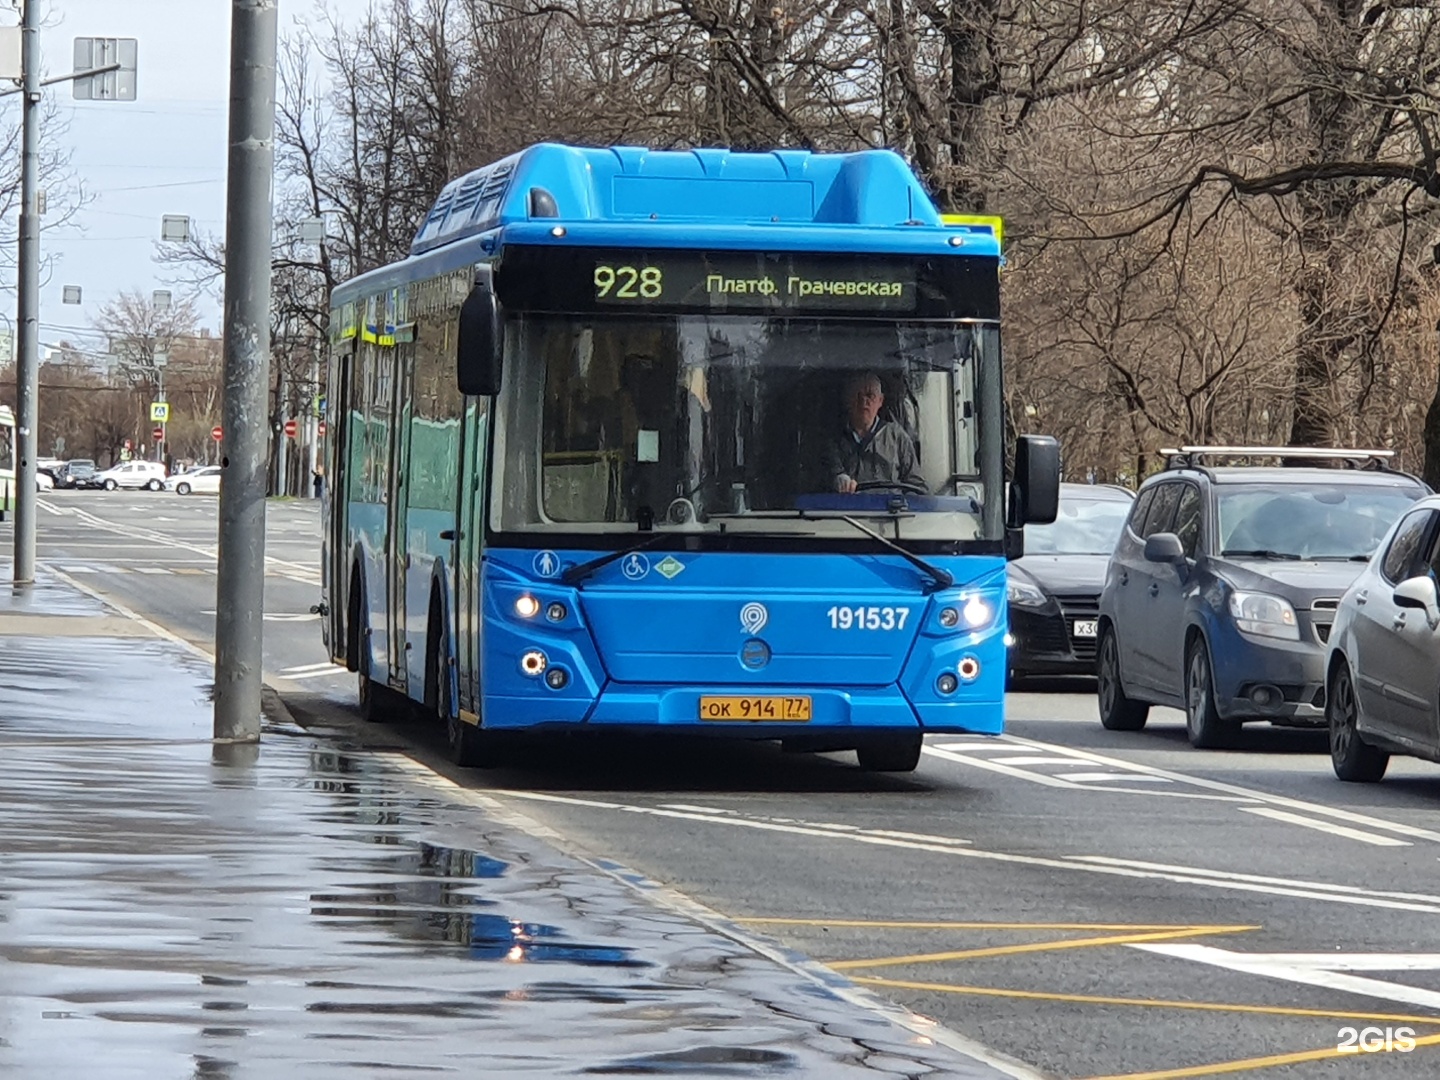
{"points": [[335, 501], [469, 532], [397, 556]]}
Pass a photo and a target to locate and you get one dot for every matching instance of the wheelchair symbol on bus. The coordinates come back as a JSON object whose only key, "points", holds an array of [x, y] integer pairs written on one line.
{"points": [[547, 564], [635, 566]]}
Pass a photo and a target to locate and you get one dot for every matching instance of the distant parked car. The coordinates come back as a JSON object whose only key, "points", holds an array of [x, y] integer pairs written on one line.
{"points": [[132, 474], [76, 473], [1054, 590], [1385, 652], [44, 481], [202, 481]]}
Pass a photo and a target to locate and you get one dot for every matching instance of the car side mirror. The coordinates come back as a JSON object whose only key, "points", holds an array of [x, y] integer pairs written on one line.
{"points": [[1419, 592], [1035, 490], [480, 343], [1164, 548]]}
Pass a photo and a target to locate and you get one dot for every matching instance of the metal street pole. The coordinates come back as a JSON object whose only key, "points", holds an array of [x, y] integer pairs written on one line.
{"points": [[240, 581], [27, 295]]}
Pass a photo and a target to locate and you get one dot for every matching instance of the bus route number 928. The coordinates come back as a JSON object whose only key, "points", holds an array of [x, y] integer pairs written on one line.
{"points": [[628, 282], [868, 618]]}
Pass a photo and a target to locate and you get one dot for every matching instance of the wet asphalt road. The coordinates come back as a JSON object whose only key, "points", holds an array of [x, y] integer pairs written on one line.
{"points": [[1096, 904]]}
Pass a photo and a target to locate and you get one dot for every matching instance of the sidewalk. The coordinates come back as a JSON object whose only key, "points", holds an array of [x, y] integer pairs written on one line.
{"points": [[172, 908]]}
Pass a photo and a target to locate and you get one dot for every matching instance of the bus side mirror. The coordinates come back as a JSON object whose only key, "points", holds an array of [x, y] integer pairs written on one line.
{"points": [[1035, 490], [481, 341]]}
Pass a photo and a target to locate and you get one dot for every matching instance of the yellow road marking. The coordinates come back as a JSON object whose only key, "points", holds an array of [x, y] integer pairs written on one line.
{"points": [[1152, 1003], [1034, 946], [882, 924], [1253, 1063]]}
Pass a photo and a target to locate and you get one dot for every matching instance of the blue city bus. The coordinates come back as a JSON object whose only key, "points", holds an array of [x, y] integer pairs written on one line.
{"points": [[581, 446]]}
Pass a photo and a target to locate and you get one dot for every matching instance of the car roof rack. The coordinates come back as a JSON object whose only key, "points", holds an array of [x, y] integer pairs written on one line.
{"points": [[1191, 456]]}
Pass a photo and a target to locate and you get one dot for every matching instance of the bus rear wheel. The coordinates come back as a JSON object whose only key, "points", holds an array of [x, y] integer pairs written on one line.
{"points": [[898, 753]]}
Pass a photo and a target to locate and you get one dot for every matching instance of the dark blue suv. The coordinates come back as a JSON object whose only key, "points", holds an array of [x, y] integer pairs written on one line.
{"points": [[1220, 593]]}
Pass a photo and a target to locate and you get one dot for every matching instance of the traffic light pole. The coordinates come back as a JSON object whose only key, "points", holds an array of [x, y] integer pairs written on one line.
{"points": [[240, 580], [27, 295]]}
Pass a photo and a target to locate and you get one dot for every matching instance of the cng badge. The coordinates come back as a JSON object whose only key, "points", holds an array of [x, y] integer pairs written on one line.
{"points": [[669, 567]]}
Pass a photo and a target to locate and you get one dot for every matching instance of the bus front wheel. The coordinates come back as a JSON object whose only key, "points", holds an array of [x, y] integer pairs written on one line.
{"points": [[898, 753]]}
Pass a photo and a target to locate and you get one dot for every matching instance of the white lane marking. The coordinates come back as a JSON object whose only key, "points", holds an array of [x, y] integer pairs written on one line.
{"points": [[301, 669], [334, 671], [1033, 759], [58, 511], [153, 570], [1327, 826], [1004, 770], [1258, 879], [1097, 864], [1248, 794], [78, 569], [1129, 778], [294, 571], [832, 982], [1273, 967], [1351, 961]]}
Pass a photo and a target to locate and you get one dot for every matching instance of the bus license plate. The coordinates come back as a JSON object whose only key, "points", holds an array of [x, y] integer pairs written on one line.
{"points": [[771, 708], [1084, 629]]}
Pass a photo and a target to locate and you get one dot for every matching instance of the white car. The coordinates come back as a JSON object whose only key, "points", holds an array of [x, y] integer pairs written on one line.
{"points": [[202, 481], [132, 474]]}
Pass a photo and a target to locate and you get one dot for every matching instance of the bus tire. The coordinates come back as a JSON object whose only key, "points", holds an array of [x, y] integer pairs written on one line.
{"points": [[897, 753], [378, 703], [470, 747]]}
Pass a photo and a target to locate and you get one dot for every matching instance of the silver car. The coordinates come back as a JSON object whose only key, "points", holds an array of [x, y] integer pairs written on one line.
{"points": [[1383, 667]]}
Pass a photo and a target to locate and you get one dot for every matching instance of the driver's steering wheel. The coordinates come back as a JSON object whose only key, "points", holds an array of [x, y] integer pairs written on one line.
{"points": [[891, 485]]}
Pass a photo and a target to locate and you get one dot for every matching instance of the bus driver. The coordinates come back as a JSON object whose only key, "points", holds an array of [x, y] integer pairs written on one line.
{"points": [[869, 450]]}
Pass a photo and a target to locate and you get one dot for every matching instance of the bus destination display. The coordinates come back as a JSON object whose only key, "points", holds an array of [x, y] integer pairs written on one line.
{"points": [[740, 282]]}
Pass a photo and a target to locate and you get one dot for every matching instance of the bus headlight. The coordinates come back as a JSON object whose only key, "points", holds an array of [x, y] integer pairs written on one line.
{"points": [[977, 613], [533, 663], [526, 606]]}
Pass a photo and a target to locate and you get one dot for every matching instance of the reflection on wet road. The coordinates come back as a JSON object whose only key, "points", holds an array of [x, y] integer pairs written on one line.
{"points": [[170, 908]]}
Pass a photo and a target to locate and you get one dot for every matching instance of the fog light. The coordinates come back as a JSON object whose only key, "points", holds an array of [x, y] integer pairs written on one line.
{"points": [[533, 663], [555, 612], [947, 683], [556, 678], [527, 607], [969, 668], [949, 616], [1009, 641]]}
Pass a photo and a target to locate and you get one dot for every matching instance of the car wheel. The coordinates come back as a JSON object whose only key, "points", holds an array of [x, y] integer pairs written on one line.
{"points": [[1353, 758], [111, 485], [182, 489], [1207, 729], [154, 485], [1117, 712], [899, 753]]}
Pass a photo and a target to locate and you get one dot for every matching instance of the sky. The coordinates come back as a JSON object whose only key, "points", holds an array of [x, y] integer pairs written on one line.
{"points": [[164, 153]]}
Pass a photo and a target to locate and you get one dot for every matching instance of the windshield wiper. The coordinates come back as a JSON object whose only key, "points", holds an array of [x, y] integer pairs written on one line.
{"points": [[1257, 553], [940, 578], [580, 572]]}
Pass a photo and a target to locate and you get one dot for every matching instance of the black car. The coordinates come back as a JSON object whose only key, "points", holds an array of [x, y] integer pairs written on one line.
{"points": [[79, 473], [1054, 590]]}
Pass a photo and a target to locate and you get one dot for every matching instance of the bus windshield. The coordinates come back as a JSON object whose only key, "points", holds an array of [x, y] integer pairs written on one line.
{"points": [[721, 423]]}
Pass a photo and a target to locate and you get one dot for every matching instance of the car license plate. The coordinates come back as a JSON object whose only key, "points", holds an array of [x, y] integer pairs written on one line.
{"points": [[766, 708], [1083, 628]]}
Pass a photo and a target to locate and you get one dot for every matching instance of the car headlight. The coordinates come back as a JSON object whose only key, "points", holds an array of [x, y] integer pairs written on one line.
{"points": [[1264, 615], [1024, 593]]}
